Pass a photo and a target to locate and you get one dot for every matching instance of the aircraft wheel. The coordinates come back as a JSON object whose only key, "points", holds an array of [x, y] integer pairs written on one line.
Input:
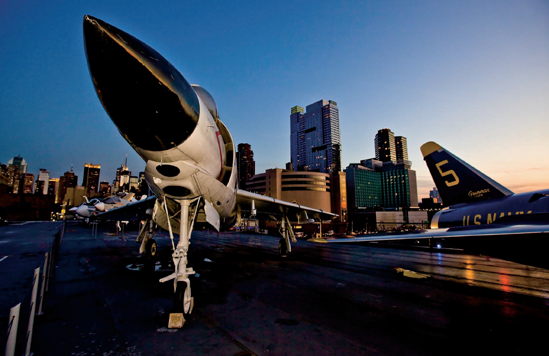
{"points": [[150, 248], [183, 301], [282, 248]]}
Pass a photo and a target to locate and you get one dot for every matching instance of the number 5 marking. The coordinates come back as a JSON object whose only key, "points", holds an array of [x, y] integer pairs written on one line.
{"points": [[447, 173]]}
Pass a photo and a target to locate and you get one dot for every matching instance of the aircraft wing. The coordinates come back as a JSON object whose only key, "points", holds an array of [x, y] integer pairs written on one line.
{"points": [[460, 231], [271, 206], [130, 212]]}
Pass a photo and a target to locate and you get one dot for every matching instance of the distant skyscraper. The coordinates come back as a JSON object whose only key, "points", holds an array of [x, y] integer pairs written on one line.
{"points": [[314, 137], [13, 178], [390, 148], [385, 146], [4, 174], [401, 147], [105, 189], [68, 180], [16, 166], [122, 180], [42, 182], [53, 188], [434, 194], [133, 184], [246, 164], [20, 162], [26, 183], [91, 177], [388, 185]]}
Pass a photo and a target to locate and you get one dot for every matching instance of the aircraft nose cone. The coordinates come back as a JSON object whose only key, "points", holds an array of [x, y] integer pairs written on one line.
{"points": [[82, 210], [150, 102]]}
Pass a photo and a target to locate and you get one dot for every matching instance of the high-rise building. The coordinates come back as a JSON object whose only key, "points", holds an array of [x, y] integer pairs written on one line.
{"points": [[20, 162], [68, 180], [338, 195], [245, 163], [42, 182], [385, 146], [53, 188], [363, 187], [16, 166], [390, 148], [133, 184], [4, 175], [122, 180], [91, 177], [386, 186], [13, 178], [401, 148], [26, 183], [105, 189], [435, 195], [314, 137]]}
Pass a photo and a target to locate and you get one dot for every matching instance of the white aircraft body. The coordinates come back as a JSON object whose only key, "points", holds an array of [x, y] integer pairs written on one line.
{"points": [[189, 153], [91, 207]]}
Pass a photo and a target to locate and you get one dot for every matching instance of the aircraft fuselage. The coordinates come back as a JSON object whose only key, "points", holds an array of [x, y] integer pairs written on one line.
{"points": [[490, 211]]}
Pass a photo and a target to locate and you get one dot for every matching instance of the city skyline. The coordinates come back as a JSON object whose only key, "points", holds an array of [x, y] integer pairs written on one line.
{"points": [[470, 76]]}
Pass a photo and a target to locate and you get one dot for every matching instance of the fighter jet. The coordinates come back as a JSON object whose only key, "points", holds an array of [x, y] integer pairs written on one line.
{"points": [[478, 208], [86, 209], [91, 207], [189, 153]]}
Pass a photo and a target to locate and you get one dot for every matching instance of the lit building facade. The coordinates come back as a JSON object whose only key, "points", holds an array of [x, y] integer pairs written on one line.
{"points": [[363, 187], [16, 167], [401, 148], [66, 181], [390, 148], [42, 182], [53, 188], [26, 183], [104, 189], [385, 145], [19, 162], [121, 183], [4, 175], [399, 186], [133, 184], [435, 195], [338, 195], [245, 163], [91, 177], [315, 138], [311, 189], [388, 185]]}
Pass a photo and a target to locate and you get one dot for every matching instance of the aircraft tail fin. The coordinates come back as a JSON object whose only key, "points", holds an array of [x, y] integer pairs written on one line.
{"points": [[457, 181]]}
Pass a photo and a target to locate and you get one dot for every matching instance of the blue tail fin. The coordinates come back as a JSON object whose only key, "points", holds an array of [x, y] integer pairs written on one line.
{"points": [[457, 181]]}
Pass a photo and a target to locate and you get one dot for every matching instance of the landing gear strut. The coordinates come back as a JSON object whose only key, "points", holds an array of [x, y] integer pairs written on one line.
{"points": [[284, 245], [183, 299], [282, 248]]}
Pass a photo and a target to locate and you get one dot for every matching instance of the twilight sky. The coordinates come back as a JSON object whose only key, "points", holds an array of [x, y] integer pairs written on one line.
{"points": [[471, 75]]}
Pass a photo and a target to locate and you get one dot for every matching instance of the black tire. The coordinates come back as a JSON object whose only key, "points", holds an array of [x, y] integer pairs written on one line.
{"points": [[178, 300], [282, 248], [150, 248]]}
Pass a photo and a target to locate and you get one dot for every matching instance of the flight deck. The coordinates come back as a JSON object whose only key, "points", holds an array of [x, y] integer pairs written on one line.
{"points": [[320, 300]]}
